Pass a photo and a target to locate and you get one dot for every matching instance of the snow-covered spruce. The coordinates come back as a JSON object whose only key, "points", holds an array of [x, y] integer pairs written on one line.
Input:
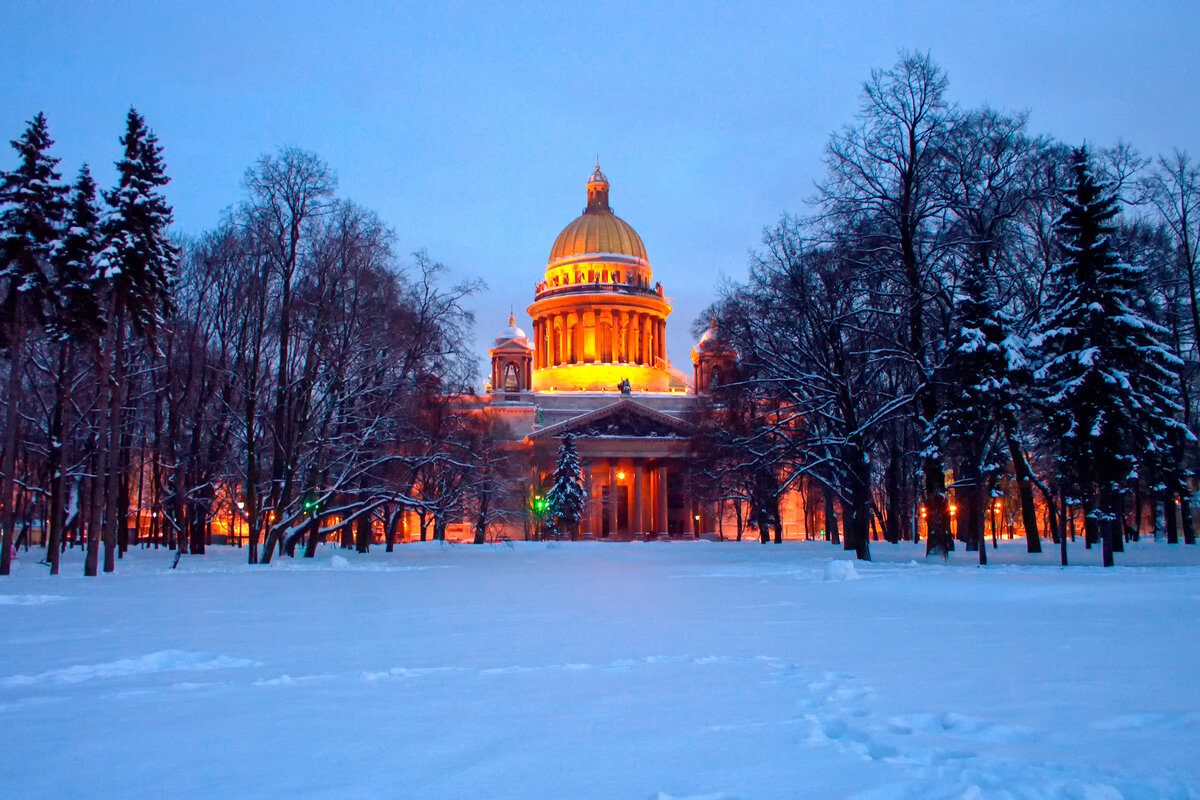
{"points": [[1106, 382], [566, 496]]}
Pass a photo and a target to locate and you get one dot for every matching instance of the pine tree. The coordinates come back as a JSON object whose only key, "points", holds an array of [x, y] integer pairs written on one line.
{"points": [[566, 496], [138, 263], [138, 256], [76, 313], [73, 318], [33, 209], [981, 367], [1106, 381]]}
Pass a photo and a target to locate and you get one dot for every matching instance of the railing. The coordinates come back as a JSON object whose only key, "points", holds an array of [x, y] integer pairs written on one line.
{"points": [[541, 289]]}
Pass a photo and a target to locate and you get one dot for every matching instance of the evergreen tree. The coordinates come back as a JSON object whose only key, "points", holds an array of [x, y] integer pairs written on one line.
{"points": [[76, 313], [982, 366], [1106, 382], [138, 256], [33, 206], [73, 318], [138, 264], [566, 496]]}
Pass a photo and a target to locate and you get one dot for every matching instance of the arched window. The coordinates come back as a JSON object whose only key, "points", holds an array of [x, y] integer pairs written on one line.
{"points": [[512, 382]]}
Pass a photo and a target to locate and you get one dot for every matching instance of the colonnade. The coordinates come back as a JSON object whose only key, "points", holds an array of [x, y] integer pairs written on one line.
{"points": [[607, 337], [629, 498], [518, 367]]}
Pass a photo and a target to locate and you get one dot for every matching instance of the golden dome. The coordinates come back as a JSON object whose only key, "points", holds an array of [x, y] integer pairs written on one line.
{"points": [[598, 231]]}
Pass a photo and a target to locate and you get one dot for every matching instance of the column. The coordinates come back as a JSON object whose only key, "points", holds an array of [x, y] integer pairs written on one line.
{"points": [[661, 491], [555, 346], [593, 494], [647, 357], [619, 333], [612, 497], [631, 329], [562, 339], [539, 340], [636, 525]]}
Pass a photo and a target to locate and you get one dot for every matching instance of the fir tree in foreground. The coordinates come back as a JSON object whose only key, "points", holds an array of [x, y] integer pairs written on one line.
{"points": [[137, 265], [76, 309], [33, 204], [1106, 383], [566, 497], [983, 365]]}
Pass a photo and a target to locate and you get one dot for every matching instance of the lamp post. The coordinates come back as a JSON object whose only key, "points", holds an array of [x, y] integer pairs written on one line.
{"points": [[995, 514]]}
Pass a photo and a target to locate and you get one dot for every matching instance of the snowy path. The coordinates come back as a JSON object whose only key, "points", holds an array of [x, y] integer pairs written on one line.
{"points": [[674, 670]]}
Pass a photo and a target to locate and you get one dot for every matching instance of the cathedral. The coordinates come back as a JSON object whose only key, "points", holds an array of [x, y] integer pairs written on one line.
{"points": [[595, 368]]}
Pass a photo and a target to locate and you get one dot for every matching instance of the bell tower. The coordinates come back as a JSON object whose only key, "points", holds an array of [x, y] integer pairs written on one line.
{"points": [[713, 361], [512, 362]]}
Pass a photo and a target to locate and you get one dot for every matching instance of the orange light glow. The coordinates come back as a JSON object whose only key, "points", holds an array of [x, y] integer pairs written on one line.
{"points": [[620, 476], [953, 509]]}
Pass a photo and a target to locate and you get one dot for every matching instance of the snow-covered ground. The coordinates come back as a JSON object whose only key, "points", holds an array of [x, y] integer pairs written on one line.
{"points": [[667, 670]]}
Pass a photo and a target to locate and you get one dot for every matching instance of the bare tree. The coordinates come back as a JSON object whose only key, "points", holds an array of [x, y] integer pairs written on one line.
{"points": [[886, 170]]}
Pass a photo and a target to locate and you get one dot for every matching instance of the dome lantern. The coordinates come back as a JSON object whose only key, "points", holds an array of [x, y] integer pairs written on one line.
{"points": [[597, 191]]}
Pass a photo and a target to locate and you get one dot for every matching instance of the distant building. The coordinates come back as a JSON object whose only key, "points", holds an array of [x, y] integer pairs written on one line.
{"points": [[596, 367]]}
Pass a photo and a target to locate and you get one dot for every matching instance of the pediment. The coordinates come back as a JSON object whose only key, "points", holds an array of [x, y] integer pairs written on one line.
{"points": [[625, 419]]}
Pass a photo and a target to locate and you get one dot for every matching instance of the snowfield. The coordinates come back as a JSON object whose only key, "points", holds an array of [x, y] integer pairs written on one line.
{"points": [[587, 670]]}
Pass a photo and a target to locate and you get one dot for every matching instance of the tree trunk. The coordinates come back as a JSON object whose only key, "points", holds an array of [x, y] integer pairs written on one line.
{"points": [[112, 489], [313, 530], [362, 533], [1185, 516], [57, 480], [126, 453], [252, 502], [481, 519], [858, 518], [939, 538], [1167, 501], [8, 481], [392, 526], [1118, 522], [1137, 510], [831, 520], [1109, 521], [100, 463], [1024, 476], [976, 512]]}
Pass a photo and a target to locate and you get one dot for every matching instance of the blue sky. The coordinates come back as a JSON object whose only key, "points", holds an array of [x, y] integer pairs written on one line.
{"points": [[471, 128]]}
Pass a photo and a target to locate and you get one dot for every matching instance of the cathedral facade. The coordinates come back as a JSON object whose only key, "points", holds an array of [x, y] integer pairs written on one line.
{"points": [[595, 368]]}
